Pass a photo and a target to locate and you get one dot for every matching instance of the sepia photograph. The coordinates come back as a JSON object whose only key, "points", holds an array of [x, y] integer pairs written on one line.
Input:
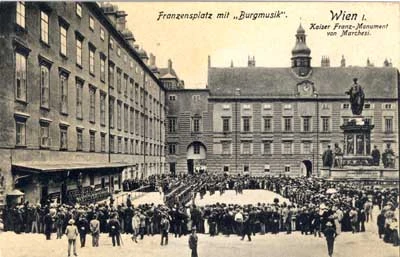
{"points": [[199, 129]]}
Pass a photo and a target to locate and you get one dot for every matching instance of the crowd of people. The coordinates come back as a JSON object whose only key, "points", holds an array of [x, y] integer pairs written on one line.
{"points": [[314, 205]]}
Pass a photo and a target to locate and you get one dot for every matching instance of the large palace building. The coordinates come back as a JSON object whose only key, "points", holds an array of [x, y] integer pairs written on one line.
{"points": [[272, 121], [81, 107]]}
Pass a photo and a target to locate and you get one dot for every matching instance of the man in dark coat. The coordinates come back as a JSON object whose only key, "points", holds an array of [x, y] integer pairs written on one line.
{"points": [[246, 226], [165, 226], [330, 235], [48, 223], [114, 228], [193, 239], [381, 224], [83, 229]]}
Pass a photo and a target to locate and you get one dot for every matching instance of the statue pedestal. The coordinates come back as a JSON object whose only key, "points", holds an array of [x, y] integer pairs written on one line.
{"points": [[357, 142]]}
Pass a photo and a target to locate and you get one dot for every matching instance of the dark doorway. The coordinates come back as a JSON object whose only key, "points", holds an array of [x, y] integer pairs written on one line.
{"points": [[103, 182], [112, 184], [308, 165], [63, 193], [172, 168], [190, 165], [44, 195]]}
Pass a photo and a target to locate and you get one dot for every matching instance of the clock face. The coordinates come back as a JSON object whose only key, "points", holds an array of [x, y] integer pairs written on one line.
{"points": [[307, 87]]}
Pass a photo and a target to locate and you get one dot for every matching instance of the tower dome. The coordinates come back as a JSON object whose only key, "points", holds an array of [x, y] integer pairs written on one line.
{"points": [[301, 60]]}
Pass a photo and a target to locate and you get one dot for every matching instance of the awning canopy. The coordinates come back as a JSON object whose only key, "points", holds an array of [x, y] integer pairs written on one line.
{"points": [[50, 167], [15, 192]]}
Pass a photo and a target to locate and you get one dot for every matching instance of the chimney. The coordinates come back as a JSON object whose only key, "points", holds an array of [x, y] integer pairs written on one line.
{"points": [[386, 63], [209, 61], [369, 64], [251, 62], [325, 61], [343, 62], [121, 20], [152, 60], [110, 11], [231, 63], [169, 66]]}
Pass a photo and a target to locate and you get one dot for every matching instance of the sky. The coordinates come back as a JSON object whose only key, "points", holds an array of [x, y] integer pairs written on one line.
{"points": [[188, 43]]}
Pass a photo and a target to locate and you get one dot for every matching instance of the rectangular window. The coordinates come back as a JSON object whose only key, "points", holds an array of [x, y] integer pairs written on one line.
{"points": [[102, 34], [79, 10], [126, 78], [196, 98], [325, 124], [79, 140], [388, 124], [21, 14], [345, 106], [172, 148], [325, 106], [137, 124], [119, 118], [172, 125], [126, 118], [246, 124], [20, 129], [111, 113], [131, 89], [44, 27], [79, 106], [102, 108], [20, 76], [44, 86], [91, 60], [63, 138], [196, 125], [111, 75], [64, 93], [92, 146], [287, 124], [63, 40], [225, 125], [79, 52], [136, 93], [306, 124], [44, 135], [102, 142], [246, 168], [119, 144], [119, 51], [119, 75], [102, 68], [267, 124], [126, 146], [226, 147], [131, 121], [226, 107], [388, 106], [287, 168], [226, 168], [267, 106], [287, 147], [267, 147], [111, 44], [92, 104], [267, 168], [246, 107], [112, 144], [91, 23], [132, 148], [287, 106], [246, 147]]}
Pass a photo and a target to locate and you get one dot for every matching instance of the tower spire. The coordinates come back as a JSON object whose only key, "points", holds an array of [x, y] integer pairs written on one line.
{"points": [[301, 60]]}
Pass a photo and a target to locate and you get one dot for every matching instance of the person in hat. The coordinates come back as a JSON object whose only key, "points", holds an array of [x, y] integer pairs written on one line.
{"points": [[165, 226], [330, 235], [95, 230], [72, 232], [193, 239]]}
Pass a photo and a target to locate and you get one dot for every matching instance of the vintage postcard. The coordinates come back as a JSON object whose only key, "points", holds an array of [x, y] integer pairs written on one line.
{"points": [[199, 129]]}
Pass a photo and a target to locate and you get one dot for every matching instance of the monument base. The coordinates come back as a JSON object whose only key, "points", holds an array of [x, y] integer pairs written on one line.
{"points": [[362, 173]]}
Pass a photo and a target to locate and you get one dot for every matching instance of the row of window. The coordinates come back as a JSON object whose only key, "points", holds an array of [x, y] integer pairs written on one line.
{"points": [[287, 124], [130, 146], [173, 98], [226, 168]]}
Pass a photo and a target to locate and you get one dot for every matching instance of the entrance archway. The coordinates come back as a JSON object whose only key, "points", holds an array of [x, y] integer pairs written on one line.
{"points": [[196, 157], [306, 168]]}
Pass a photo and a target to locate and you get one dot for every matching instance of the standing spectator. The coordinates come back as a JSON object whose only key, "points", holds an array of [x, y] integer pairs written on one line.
{"points": [[83, 228], [71, 232], [135, 226], [246, 226], [48, 225], [115, 228], [164, 229], [381, 224], [60, 223], [95, 229], [193, 239], [330, 235], [354, 220]]}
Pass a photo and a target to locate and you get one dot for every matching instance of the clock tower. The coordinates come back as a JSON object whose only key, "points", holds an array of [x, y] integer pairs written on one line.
{"points": [[301, 60]]}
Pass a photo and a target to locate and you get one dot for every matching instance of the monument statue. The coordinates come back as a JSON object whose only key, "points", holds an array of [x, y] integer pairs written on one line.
{"points": [[327, 157], [388, 157], [357, 96]]}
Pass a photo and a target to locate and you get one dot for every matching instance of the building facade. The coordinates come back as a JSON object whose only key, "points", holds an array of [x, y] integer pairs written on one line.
{"points": [[81, 106], [279, 121]]}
